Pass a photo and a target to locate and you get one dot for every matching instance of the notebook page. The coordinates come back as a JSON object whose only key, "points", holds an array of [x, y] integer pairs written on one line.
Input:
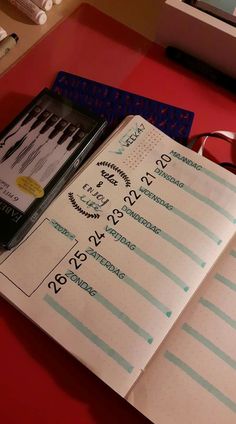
{"points": [[114, 260], [192, 378]]}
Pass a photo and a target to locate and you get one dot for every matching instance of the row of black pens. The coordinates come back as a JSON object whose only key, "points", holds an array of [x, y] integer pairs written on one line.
{"points": [[30, 152]]}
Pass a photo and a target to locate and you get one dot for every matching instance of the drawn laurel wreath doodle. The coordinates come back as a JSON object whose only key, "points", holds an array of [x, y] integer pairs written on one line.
{"points": [[79, 209], [116, 169]]}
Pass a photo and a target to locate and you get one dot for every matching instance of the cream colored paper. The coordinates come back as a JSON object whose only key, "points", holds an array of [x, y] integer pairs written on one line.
{"points": [[192, 377], [127, 245]]}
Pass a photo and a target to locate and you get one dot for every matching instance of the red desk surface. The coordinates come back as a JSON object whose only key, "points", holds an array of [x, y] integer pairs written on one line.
{"points": [[39, 381]]}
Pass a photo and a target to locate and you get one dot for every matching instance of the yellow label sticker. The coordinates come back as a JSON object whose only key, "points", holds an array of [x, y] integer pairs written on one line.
{"points": [[30, 186]]}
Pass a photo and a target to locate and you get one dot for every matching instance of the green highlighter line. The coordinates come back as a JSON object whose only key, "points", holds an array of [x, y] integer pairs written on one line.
{"points": [[209, 345], [225, 281], [162, 268], [201, 381], [220, 180], [123, 317], [114, 310], [233, 253], [197, 225], [182, 248], [210, 203], [217, 311], [148, 296], [89, 334]]}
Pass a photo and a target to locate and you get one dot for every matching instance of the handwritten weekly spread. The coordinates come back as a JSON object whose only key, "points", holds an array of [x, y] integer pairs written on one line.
{"points": [[120, 254]]}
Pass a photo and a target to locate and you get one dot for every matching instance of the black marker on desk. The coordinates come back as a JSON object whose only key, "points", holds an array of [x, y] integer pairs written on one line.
{"points": [[8, 43], [202, 68]]}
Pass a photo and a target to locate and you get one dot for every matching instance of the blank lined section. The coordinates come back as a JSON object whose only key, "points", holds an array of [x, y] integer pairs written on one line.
{"points": [[199, 379], [216, 350], [48, 247]]}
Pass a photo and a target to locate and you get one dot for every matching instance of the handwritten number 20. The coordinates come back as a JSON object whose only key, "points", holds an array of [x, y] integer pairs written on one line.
{"points": [[164, 158]]}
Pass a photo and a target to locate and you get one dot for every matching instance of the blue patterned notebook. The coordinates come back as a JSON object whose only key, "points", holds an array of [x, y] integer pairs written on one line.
{"points": [[114, 105]]}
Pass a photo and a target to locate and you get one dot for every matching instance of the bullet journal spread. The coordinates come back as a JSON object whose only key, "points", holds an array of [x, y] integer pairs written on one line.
{"points": [[132, 269]]}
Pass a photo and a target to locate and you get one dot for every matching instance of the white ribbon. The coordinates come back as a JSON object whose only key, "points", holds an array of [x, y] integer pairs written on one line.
{"points": [[228, 136]]}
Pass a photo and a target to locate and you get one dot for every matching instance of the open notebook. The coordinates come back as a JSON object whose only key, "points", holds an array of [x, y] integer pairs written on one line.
{"points": [[133, 270]]}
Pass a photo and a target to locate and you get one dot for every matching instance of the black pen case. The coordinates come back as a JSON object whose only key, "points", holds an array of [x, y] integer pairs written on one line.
{"points": [[39, 151]]}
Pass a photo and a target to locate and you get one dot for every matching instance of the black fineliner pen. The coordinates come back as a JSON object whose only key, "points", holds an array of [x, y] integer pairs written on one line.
{"points": [[13, 149], [75, 140], [60, 126], [32, 114], [49, 123], [202, 68], [41, 118], [67, 133]]}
